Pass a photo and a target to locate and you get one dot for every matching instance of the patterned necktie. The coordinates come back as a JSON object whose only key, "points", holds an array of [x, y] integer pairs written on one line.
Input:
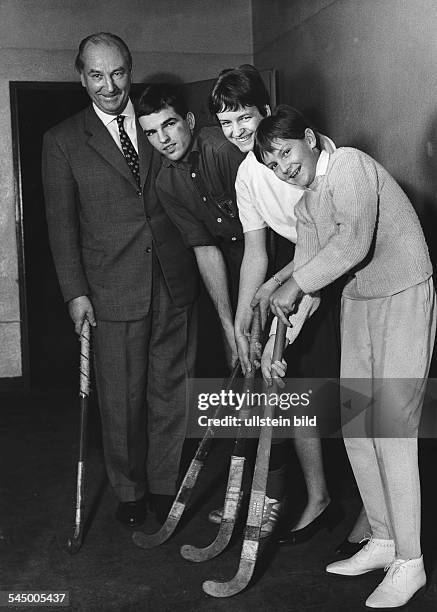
{"points": [[128, 149]]}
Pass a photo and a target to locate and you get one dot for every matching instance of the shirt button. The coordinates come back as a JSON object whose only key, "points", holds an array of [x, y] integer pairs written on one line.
{"points": [[233, 238], [149, 250], [219, 219], [139, 192], [204, 198], [193, 175]]}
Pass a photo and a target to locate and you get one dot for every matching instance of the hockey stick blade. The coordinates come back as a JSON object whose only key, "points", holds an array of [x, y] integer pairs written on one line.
{"points": [[74, 544], [144, 540], [252, 532], [236, 469], [234, 586], [230, 513], [249, 552]]}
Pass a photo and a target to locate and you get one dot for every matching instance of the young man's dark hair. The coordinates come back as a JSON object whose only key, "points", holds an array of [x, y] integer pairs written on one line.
{"points": [[102, 38], [161, 95], [238, 87]]}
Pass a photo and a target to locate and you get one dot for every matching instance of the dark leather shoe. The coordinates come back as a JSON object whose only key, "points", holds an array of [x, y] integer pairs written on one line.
{"points": [[161, 505], [132, 514], [327, 519], [348, 548]]}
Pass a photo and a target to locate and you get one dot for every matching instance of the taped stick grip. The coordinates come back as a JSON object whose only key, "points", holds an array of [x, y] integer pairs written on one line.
{"points": [[279, 346], [84, 366], [255, 338]]}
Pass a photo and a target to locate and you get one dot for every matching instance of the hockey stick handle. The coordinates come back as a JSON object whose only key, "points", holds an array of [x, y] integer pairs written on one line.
{"points": [[255, 338], [84, 366], [278, 348]]}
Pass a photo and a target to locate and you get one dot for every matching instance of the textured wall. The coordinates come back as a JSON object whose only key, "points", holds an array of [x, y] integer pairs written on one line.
{"points": [[193, 39], [365, 72]]}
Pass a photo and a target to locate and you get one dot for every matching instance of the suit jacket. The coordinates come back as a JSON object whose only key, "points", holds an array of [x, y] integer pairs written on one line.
{"points": [[103, 229]]}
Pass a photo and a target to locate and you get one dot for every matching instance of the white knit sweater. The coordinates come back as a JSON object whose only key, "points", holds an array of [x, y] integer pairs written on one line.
{"points": [[358, 221]]}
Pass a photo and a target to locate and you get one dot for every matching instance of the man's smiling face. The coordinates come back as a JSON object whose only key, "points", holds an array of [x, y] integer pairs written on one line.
{"points": [[106, 76]]}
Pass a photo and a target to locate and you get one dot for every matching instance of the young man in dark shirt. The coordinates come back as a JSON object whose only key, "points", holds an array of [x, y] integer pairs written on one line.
{"points": [[196, 186]]}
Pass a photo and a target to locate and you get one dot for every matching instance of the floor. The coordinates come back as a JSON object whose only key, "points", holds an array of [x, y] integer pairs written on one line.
{"points": [[38, 450]]}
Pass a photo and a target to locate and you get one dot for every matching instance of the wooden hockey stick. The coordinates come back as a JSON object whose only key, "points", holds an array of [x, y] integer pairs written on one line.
{"points": [[236, 469], [249, 552], [185, 490], [75, 542]]}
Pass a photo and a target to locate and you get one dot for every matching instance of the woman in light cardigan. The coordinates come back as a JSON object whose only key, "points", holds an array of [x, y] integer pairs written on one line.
{"points": [[356, 220]]}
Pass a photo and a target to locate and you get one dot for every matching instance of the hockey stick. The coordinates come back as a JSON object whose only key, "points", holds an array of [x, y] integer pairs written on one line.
{"points": [[183, 496], [236, 469], [75, 542], [252, 532]]}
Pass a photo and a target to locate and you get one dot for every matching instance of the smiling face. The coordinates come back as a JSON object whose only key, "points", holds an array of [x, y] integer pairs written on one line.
{"points": [[239, 126], [168, 132], [106, 77], [294, 161]]}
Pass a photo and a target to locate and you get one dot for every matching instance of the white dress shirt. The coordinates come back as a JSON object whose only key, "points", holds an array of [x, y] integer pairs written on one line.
{"points": [[110, 122]]}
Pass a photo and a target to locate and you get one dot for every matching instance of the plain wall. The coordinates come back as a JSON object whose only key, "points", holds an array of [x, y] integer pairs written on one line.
{"points": [[365, 72], [193, 39]]}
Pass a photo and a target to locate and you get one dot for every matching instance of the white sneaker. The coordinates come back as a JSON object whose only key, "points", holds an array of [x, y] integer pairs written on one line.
{"points": [[376, 554], [271, 514], [402, 580]]}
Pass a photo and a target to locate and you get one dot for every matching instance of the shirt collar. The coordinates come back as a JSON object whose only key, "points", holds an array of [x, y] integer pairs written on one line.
{"points": [[322, 163], [106, 119]]}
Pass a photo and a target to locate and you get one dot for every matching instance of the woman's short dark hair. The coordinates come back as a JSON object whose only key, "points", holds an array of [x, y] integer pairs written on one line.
{"points": [[102, 38], [238, 87], [286, 123], [161, 95]]}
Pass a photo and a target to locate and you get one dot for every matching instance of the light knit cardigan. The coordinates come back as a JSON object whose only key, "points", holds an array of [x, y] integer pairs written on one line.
{"points": [[357, 220]]}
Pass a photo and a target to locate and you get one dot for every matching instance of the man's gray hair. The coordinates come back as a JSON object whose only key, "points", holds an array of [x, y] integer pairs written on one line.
{"points": [[102, 38]]}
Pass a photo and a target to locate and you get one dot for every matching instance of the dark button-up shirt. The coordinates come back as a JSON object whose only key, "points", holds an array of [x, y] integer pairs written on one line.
{"points": [[198, 194]]}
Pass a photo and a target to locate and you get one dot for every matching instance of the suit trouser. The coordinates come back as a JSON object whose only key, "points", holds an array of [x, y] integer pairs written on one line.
{"points": [[387, 347], [142, 368]]}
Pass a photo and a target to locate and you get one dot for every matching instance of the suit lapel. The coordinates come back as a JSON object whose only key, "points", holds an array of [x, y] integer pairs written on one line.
{"points": [[102, 142], [144, 154]]}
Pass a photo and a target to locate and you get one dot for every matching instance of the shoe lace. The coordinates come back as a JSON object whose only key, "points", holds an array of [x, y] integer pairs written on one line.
{"points": [[394, 567], [367, 538]]}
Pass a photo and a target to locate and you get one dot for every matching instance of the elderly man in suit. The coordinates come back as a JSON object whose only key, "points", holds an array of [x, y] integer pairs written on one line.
{"points": [[122, 264]]}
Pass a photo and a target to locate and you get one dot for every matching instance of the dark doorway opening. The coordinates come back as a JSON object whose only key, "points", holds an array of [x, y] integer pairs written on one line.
{"points": [[49, 344]]}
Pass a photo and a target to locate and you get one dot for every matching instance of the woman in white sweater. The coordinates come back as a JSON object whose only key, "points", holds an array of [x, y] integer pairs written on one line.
{"points": [[354, 219]]}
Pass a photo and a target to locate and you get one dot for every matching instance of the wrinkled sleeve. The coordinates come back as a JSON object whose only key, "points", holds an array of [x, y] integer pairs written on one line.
{"points": [[353, 196]]}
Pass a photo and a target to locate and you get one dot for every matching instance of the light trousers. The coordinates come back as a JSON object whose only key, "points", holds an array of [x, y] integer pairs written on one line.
{"points": [[387, 346]]}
